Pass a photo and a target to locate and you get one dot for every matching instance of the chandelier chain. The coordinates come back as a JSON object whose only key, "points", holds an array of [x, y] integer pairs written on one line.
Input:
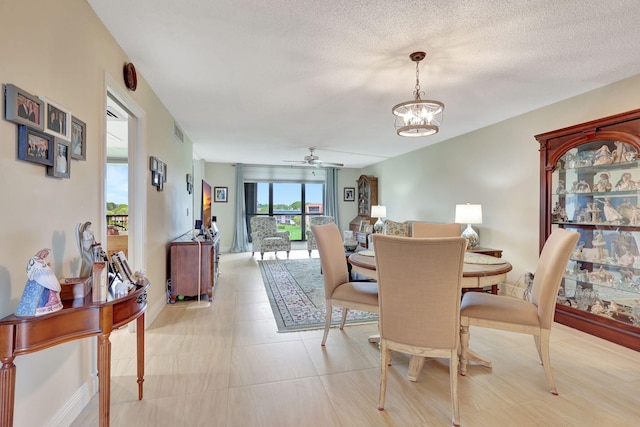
{"points": [[418, 92]]}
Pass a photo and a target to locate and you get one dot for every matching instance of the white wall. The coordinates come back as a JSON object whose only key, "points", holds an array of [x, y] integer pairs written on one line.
{"points": [[498, 167], [62, 51]]}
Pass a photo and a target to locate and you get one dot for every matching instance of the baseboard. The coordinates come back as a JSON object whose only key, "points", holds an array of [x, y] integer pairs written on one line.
{"points": [[68, 413]]}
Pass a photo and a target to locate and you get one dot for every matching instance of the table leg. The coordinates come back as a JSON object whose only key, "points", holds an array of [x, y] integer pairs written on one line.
{"points": [[416, 363], [104, 379], [7, 391], [140, 352]]}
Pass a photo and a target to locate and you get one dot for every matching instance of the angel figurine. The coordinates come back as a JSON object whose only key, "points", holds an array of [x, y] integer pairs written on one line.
{"points": [[41, 294], [86, 241]]}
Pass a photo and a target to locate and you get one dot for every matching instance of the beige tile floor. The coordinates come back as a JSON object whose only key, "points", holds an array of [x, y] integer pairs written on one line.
{"points": [[227, 366]]}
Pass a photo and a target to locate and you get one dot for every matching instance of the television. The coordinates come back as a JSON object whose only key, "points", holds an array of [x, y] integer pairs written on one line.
{"points": [[206, 205]]}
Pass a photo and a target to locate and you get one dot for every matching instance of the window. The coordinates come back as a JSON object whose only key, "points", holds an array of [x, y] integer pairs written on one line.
{"points": [[285, 201]]}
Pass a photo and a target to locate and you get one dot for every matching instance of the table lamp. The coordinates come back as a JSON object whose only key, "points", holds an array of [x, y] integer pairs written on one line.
{"points": [[378, 212], [469, 214]]}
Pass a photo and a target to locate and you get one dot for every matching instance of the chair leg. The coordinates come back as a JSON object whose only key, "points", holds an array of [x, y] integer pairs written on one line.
{"points": [[327, 320], [309, 253], [536, 340], [546, 360], [345, 310], [453, 379], [416, 363], [261, 255], [464, 346], [385, 357], [288, 254]]}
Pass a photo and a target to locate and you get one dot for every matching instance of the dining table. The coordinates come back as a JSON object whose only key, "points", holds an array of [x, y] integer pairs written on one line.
{"points": [[479, 272]]}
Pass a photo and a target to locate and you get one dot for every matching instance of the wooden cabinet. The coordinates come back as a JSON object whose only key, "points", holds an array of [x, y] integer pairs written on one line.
{"points": [[188, 257], [367, 192], [590, 183]]}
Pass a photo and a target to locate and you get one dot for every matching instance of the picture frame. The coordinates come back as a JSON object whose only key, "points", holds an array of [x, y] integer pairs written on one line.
{"points": [[189, 183], [164, 172], [220, 194], [23, 108], [35, 146], [122, 266], [368, 229], [153, 164], [363, 225], [57, 121], [78, 139], [349, 194], [61, 160]]}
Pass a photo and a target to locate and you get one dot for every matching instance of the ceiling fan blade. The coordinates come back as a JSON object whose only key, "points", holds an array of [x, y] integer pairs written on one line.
{"points": [[302, 162], [327, 164]]}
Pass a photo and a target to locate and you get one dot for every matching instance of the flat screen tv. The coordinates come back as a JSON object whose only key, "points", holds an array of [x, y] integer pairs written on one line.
{"points": [[206, 204]]}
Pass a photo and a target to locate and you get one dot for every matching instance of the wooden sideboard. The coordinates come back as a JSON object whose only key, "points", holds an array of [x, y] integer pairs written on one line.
{"points": [[79, 318], [188, 256]]}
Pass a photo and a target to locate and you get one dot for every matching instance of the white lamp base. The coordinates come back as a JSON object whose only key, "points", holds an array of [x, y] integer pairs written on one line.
{"points": [[471, 236], [378, 226]]}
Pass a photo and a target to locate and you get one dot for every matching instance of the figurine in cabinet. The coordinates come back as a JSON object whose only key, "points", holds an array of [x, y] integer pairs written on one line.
{"points": [[602, 156], [625, 183], [627, 259], [611, 215], [603, 184], [623, 152], [598, 243]]}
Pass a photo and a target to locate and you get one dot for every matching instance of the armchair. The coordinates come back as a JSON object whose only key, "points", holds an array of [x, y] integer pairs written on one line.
{"points": [[265, 236], [316, 220]]}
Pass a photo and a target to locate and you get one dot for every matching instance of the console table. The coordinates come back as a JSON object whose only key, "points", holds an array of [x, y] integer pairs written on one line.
{"points": [[80, 318]]}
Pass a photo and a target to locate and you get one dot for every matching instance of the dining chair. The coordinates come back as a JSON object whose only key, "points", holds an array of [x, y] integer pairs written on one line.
{"points": [[533, 317], [419, 286], [427, 229], [338, 290]]}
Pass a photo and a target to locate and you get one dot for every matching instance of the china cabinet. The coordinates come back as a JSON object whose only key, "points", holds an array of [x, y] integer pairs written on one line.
{"points": [[367, 192], [590, 183]]}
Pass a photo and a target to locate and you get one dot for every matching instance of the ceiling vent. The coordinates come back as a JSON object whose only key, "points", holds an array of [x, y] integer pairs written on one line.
{"points": [[178, 133]]}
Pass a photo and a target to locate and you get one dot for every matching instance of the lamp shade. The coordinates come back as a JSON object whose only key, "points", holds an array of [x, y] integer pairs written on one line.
{"points": [[469, 214], [378, 211]]}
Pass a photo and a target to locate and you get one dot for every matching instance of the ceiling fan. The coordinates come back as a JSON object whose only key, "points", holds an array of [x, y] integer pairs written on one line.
{"points": [[313, 160]]}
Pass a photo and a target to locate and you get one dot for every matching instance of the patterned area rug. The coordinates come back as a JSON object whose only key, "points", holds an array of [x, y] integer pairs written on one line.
{"points": [[296, 292]]}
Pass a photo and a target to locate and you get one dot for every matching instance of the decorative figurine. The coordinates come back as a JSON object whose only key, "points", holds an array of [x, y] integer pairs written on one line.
{"points": [[41, 294], [602, 156], [610, 213], [603, 184], [625, 183], [597, 308], [86, 241], [625, 275], [627, 259], [561, 189], [635, 313], [623, 152]]}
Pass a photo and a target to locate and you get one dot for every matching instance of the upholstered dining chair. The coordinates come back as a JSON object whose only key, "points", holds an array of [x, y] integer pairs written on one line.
{"points": [[419, 286], [426, 229], [338, 290], [316, 220], [518, 315], [265, 236]]}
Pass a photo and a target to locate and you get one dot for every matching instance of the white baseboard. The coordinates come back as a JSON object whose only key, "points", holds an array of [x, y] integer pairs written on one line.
{"points": [[68, 413]]}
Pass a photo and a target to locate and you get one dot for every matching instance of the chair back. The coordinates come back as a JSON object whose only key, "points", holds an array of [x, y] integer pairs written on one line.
{"points": [[419, 288], [332, 258], [425, 229], [265, 224], [551, 267]]}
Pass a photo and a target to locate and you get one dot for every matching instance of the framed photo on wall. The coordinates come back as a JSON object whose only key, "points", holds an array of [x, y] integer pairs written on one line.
{"points": [[61, 160], [220, 194], [23, 108], [78, 139], [35, 146], [349, 194], [57, 120]]}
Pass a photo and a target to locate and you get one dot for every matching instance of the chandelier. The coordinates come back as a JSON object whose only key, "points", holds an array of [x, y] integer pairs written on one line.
{"points": [[420, 117]]}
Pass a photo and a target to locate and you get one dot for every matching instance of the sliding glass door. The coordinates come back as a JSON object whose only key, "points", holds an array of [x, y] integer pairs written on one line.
{"points": [[291, 203]]}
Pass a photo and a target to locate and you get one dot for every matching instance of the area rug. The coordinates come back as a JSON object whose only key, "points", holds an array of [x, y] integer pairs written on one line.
{"points": [[296, 292]]}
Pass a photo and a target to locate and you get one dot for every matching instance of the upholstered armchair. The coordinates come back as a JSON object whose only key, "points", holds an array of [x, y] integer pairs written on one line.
{"points": [[265, 236], [316, 220]]}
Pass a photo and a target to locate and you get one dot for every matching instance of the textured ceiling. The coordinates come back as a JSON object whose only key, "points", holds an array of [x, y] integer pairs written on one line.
{"points": [[259, 81]]}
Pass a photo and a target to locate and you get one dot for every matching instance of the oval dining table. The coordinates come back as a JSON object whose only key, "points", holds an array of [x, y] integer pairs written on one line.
{"points": [[478, 272]]}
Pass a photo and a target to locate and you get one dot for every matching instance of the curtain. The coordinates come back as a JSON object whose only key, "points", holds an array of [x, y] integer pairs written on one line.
{"points": [[240, 240], [331, 194]]}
